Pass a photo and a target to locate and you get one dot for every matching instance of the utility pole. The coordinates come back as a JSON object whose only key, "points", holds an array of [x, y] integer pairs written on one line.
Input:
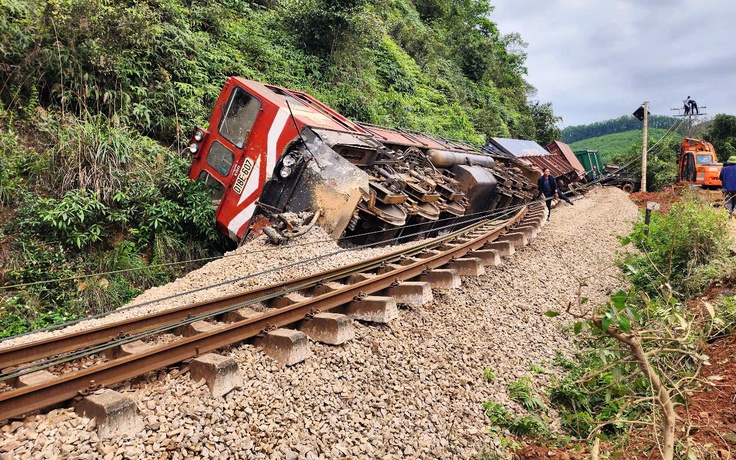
{"points": [[644, 146]]}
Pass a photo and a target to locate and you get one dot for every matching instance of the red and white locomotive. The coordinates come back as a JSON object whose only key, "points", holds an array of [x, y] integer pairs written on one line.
{"points": [[272, 153]]}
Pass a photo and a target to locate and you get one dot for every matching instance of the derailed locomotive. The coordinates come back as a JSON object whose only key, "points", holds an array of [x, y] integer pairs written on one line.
{"points": [[270, 154]]}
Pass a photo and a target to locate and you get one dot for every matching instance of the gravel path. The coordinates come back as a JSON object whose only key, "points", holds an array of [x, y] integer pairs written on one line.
{"points": [[410, 389]]}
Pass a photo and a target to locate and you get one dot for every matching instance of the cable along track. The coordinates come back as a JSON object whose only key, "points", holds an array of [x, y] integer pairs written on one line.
{"points": [[385, 272]]}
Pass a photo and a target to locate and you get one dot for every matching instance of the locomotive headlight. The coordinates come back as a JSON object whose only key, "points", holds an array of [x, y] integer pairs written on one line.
{"points": [[285, 172], [288, 161], [199, 135], [193, 148]]}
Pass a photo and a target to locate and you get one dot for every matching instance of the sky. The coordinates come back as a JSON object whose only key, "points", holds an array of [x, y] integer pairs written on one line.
{"points": [[597, 60]]}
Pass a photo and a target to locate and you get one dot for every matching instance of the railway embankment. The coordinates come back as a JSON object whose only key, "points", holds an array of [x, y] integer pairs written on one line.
{"points": [[412, 388]]}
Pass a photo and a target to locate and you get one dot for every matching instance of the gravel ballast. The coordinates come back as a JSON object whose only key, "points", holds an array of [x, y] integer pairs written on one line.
{"points": [[411, 389], [252, 266]]}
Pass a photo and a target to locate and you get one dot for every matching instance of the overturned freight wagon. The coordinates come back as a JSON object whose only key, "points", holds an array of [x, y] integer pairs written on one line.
{"points": [[558, 157], [277, 159]]}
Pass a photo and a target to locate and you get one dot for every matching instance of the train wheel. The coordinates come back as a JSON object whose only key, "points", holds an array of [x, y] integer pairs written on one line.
{"points": [[628, 188]]}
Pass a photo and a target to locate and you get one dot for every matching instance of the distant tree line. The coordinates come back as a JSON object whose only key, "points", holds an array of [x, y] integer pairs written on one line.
{"points": [[617, 125]]}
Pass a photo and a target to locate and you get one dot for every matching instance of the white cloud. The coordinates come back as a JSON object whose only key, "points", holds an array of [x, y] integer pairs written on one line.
{"points": [[599, 61]]}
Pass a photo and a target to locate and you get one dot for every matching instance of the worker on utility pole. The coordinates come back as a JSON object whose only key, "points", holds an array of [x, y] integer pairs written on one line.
{"points": [[693, 107], [686, 105]]}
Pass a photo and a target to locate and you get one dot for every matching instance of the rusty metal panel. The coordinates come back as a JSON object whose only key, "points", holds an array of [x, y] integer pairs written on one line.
{"points": [[407, 137], [566, 151]]}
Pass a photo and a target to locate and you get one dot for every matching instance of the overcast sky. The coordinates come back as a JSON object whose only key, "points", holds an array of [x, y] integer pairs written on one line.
{"points": [[600, 60]]}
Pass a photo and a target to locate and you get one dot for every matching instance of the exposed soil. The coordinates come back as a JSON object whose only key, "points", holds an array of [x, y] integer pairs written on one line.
{"points": [[712, 407], [712, 420], [666, 198]]}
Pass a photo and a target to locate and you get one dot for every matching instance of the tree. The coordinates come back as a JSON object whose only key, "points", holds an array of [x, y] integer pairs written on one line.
{"points": [[545, 122], [722, 134]]}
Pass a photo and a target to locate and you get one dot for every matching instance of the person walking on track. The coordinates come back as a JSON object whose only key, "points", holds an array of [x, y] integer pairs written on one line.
{"points": [[728, 182], [547, 185]]}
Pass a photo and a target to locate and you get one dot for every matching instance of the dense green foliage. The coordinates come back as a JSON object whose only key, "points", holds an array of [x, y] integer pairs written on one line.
{"points": [[676, 247], [91, 203], [437, 65], [722, 134], [546, 123], [621, 124], [96, 98]]}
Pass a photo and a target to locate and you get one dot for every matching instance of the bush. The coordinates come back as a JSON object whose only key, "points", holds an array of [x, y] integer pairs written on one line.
{"points": [[675, 248], [124, 203], [584, 403], [531, 425], [78, 219]]}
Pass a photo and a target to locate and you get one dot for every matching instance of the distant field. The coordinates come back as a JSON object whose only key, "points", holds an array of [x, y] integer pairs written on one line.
{"points": [[612, 145]]}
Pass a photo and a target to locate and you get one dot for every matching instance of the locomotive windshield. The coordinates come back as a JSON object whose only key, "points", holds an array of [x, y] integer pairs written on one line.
{"points": [[238, 117], [220, 158]]}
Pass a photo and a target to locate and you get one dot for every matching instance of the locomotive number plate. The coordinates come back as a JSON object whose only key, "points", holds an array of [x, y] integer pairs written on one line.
{"points": [[243, 176]]}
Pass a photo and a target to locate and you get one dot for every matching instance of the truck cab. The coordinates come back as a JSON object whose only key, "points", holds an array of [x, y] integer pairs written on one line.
{"points": [[698, 163]]}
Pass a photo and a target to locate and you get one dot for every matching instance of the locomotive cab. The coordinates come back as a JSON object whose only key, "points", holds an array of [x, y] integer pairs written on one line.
{"points": [[260, 157], [220, 158]]}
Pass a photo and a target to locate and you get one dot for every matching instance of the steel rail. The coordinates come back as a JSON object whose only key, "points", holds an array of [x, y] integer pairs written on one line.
{"points": [[19, 401], [54, 346]]}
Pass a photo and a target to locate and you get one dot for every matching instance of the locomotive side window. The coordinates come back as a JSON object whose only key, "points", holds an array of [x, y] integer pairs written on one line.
{"points": [[220, 158], [218, 190], [238, 117]]}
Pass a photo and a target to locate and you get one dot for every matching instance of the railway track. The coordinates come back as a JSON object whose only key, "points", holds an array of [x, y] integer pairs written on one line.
{"points": [[292, 302]]}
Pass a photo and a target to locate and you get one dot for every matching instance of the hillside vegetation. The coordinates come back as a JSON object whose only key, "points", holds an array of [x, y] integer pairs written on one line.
{"points": [[621, 124], [97, 99], [613, 146]]}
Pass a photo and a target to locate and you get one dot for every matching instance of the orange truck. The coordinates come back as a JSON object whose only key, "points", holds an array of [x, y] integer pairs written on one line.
{"points": [[698, 164]]}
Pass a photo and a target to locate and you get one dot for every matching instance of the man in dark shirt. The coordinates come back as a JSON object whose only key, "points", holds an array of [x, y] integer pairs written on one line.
{"points": [[728, 182], [547, 186], [693, 107]]}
